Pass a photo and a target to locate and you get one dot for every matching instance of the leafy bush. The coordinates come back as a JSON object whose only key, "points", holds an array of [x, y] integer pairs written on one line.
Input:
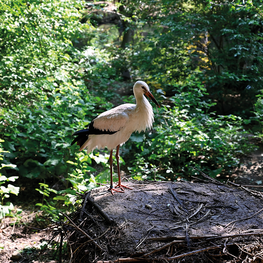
{"points": [[186, 143], [5, 187], [187, 138], [39, 139], [256, 123], [44, 95], [51, 85], [82, 178], [36, 44], [222, 38]]}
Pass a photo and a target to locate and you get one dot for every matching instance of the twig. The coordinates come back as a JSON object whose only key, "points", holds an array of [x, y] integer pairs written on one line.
{"points": [[254, 193], [72, 233], [83, 206], [241, 219], [91, 218], [193, 252], [71, 253], [187, 237], [207, 237], [208, 177], [60, 246], [193, 223], [143, 239], [127, 260], [162, 247], [201, 219], [177, 198], [198, 209], [149, 214], [199, 179], [252, 185], [169, 238], [244, 251], [83, 232], [177, 210], [225, 250]]}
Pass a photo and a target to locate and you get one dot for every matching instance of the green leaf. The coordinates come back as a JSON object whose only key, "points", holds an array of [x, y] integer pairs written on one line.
{"points": [[53, 162], [60, 197], [3, 178], [13, 189]]}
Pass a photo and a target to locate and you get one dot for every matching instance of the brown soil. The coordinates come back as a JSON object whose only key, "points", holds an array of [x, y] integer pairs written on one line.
{"points": [[21, 239]]}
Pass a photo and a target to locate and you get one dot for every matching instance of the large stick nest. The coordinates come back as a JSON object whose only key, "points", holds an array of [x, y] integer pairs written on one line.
{"points": [[168, 222]]}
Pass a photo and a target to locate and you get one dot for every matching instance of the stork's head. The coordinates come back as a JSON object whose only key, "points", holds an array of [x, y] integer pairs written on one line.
{"points": [[140, 87]]}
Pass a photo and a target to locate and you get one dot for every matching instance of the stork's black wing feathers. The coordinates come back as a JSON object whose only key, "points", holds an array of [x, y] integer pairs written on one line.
{"points": [[93, 130], [83, 135]]}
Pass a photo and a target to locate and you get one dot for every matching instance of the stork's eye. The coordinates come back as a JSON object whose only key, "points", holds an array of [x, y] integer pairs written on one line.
{"points": [[144, 88]]}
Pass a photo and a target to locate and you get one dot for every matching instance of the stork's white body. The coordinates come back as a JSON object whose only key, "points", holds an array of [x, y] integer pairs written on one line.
{"points": [[124, 119], [114, 127]]}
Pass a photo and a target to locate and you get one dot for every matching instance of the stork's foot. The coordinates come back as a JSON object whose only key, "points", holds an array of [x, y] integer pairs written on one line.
{"points": [[121, 186], [112, 190]]}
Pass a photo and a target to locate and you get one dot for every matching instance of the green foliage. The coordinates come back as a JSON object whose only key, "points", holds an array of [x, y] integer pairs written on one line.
{"points": [[188, 141], [256, 123], [48, 207], [188, 138], [57, 74], [85, 177], [36, 45], [81, 179], [222, 38], [54, 202], [46, 99], [44, 95], [5, 187], [259, 107], [37, 139], [235, 53]]}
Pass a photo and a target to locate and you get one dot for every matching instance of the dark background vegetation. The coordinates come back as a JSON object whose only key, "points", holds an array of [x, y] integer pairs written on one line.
{"points": [[64, 62]]}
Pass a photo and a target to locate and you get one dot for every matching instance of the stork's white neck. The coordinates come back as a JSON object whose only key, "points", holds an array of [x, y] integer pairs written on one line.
{"points": [[145, 112]]}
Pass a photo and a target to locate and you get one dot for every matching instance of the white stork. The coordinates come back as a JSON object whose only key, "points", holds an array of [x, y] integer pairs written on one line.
{"points": [[114, 127]]}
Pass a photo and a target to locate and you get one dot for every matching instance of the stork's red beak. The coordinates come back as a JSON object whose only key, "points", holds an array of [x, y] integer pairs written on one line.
{"points": [[150, 96]]}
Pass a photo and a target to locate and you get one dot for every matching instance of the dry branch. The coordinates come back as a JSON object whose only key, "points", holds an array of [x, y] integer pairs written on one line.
{"points": [[208, 177], [84, 206], [207, 237], [252, 192], [193, 252], [177, 198], [161, 248], [245, 218], [126, 260]]}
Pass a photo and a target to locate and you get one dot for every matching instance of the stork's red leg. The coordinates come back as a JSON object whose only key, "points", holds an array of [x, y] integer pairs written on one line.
{"points": [[111, 189], [121, 186]]}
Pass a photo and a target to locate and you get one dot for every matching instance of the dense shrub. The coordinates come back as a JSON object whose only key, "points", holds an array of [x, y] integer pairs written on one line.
{"points": [[51, 85], [187, 139], [5, 187], [38, 138], [186, 143]]}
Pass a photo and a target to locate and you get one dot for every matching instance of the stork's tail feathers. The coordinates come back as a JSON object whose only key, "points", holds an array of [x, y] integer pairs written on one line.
{"points": [[82, 137]]}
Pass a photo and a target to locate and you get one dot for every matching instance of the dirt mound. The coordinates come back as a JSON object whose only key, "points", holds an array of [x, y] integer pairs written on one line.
{"points": [[165, 222]]}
